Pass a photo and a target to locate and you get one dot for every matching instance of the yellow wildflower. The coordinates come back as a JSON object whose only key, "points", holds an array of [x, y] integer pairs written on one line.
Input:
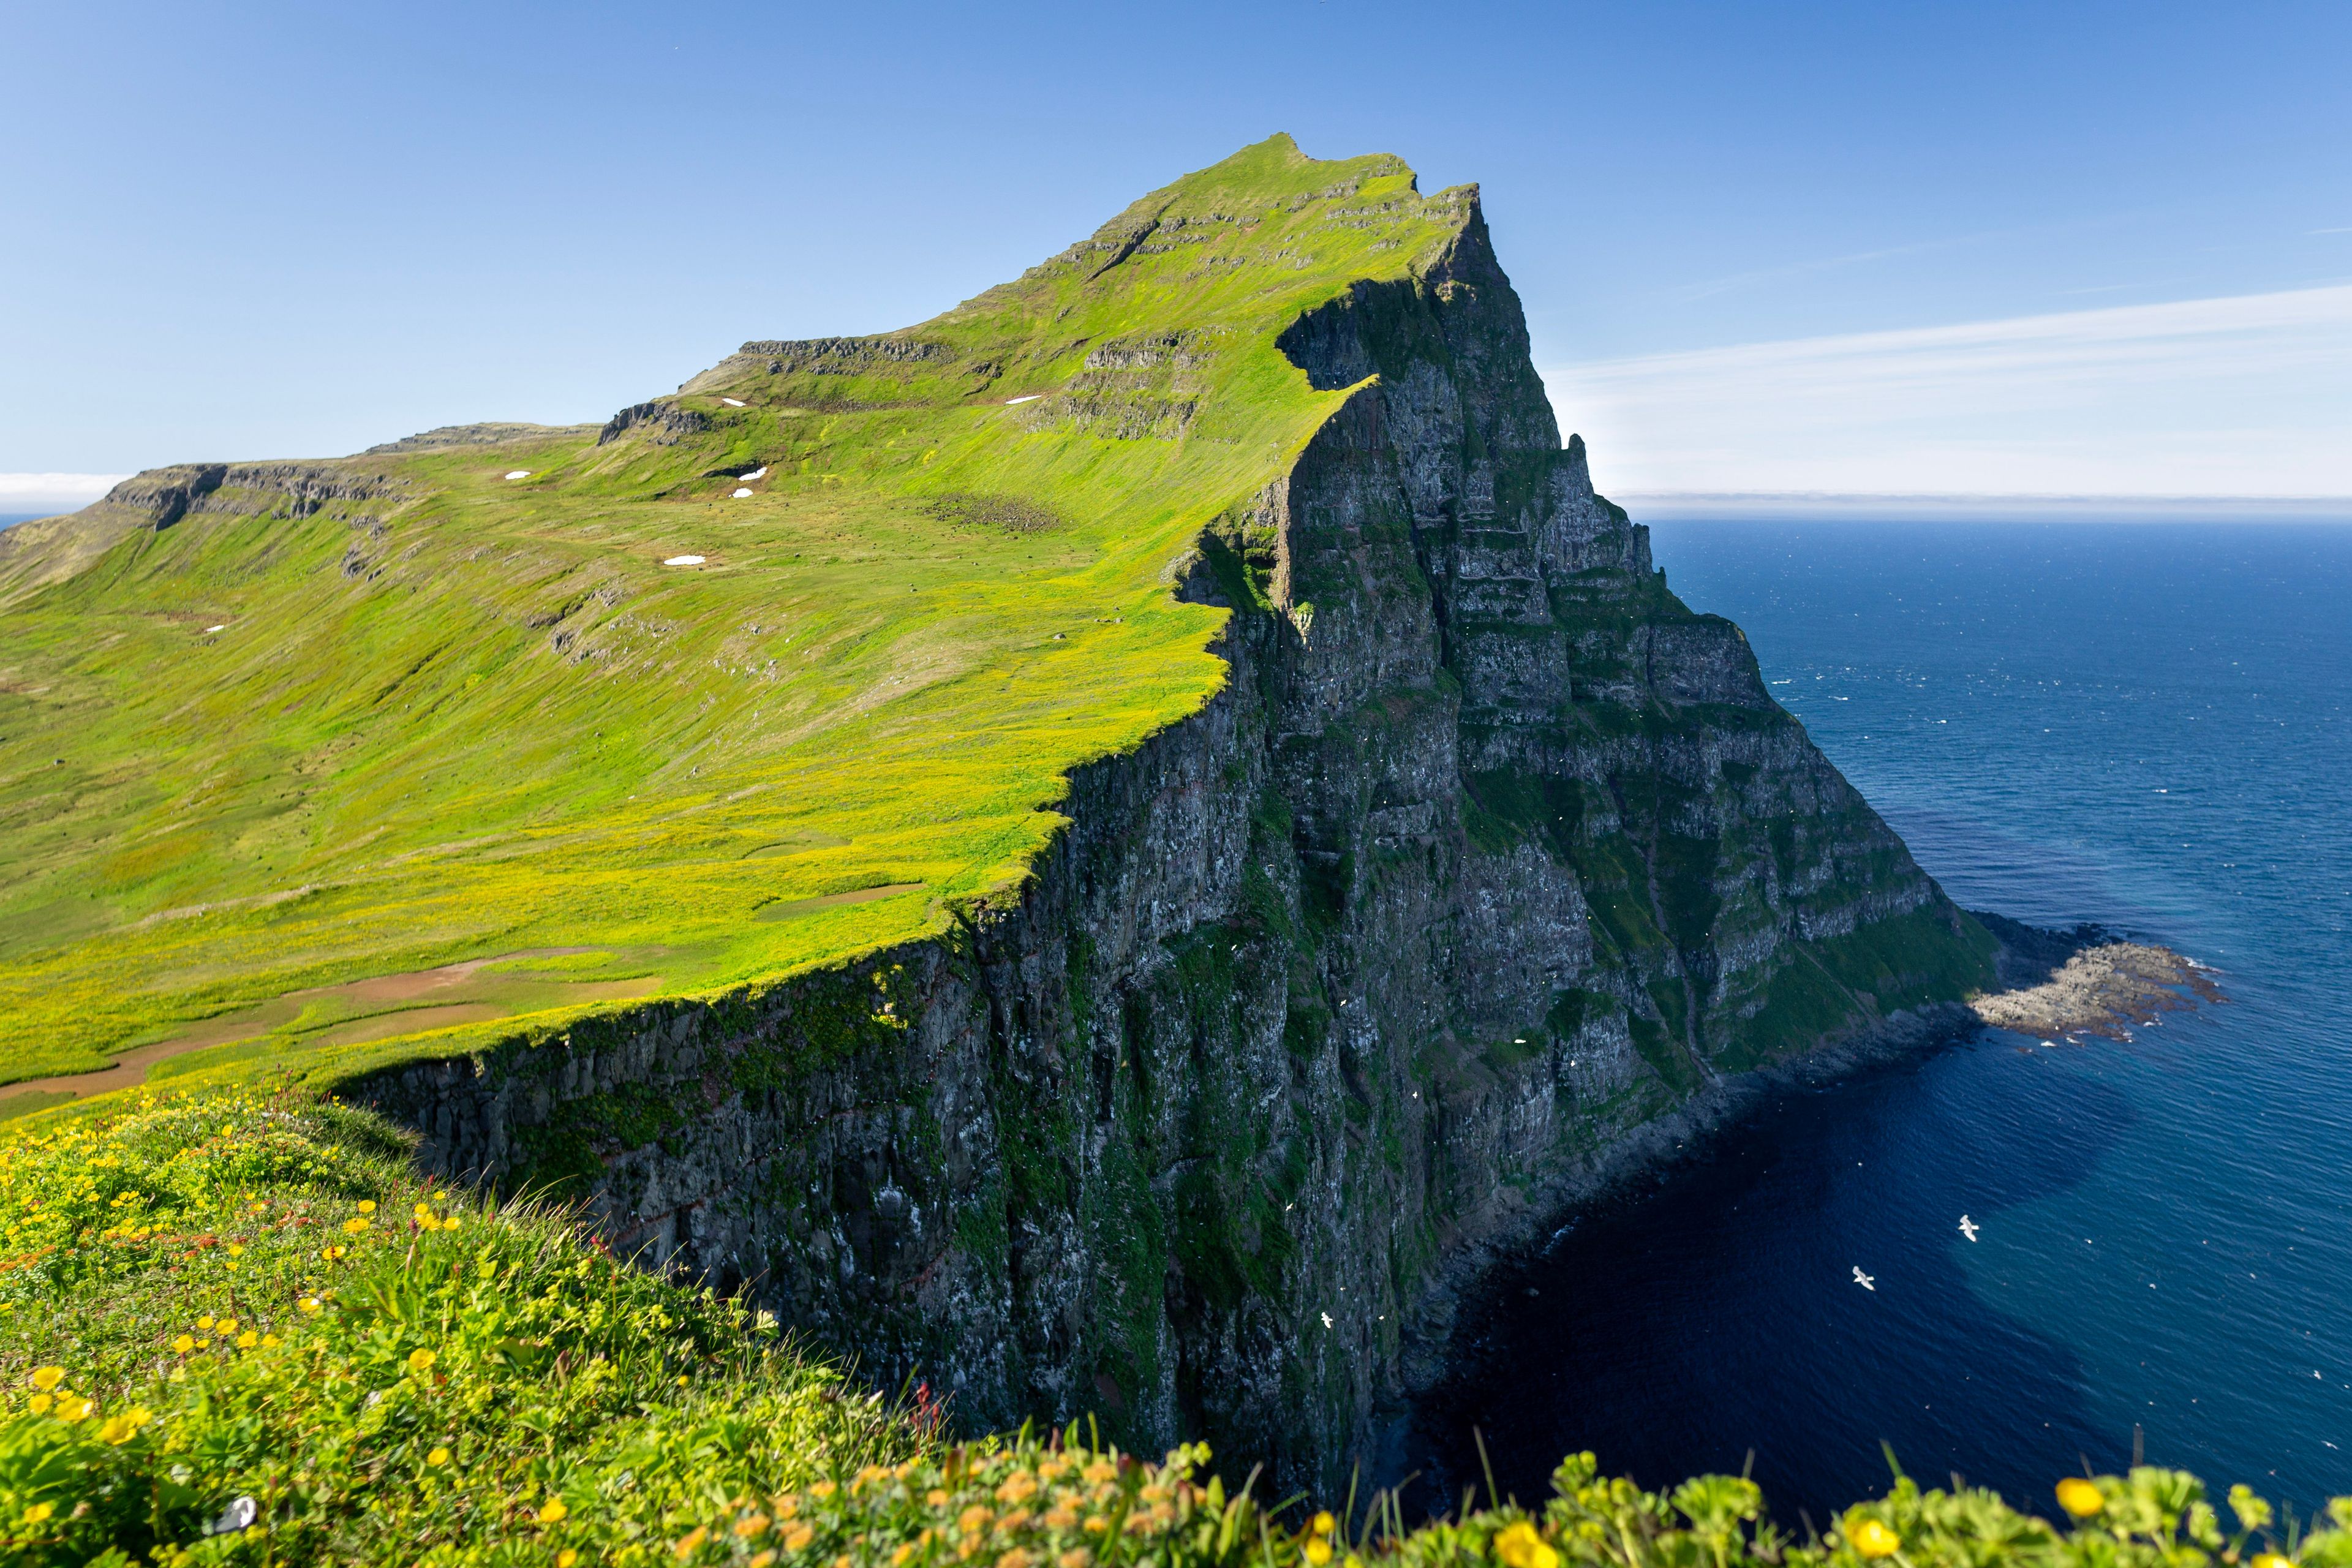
{"points": [[823, 1490], [797, 1538], [271, 1341], [421, 1210], [121, 1429], [308, 1303], [2079, 1497], [1015, 1558], [235, 1249], [39, 1512], [421, 1360], [450, 1223], [247, 1339], [205, 1322], [763, 1559], [1075, 1557], [753, 1524], [49, 1377], [691, 1543], [1318, 1552], [566, 1558], [40, 1403], [1872, 1538], [184, 1344], [437, 1456], [1324, 1524], [226, 1326], [553, 1510], [73, 1408], [367, 1205], [353, 1227], [1518, 1545], [2272, 1560]]}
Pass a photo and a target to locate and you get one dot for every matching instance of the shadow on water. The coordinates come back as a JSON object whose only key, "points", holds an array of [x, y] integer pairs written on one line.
{"points": [[1675, 1328]]}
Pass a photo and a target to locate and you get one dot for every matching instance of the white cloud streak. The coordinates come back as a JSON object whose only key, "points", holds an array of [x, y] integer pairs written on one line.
{"points": [[2244, 396], [53, 492]]}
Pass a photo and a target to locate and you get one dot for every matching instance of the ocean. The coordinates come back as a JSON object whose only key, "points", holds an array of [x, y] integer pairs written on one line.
{"points": [[2141, 724]]}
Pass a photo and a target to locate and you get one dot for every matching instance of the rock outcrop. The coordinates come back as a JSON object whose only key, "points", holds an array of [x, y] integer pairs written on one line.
{"points": [[1489, 852]]}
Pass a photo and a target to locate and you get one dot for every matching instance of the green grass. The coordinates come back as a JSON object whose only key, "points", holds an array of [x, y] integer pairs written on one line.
{"points": [[471, 717], [236, 1329]]}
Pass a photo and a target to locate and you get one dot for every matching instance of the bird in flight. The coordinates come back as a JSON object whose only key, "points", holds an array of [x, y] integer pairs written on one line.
{"points": [[1969, 1227], [1862, 1280]]}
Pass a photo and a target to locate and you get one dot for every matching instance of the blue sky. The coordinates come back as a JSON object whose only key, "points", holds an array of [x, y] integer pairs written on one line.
{"points": [[1987, 248]]}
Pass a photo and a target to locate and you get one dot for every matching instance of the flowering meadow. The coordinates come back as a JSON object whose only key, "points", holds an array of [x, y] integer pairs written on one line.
{"points": [[235, 1327]]}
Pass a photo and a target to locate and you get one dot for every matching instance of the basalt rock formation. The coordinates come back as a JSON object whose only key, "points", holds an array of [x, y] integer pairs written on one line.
{"points": [[1489, 852]]}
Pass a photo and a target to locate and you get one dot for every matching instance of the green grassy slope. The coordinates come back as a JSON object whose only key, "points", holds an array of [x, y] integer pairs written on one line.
{"points": [[286, 745], [237, 1330]]}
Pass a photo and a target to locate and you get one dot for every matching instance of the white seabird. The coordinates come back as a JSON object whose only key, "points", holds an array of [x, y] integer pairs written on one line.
{"points": [[1862, 1280], [519, 474], [1969, 1228], [740, 494]]}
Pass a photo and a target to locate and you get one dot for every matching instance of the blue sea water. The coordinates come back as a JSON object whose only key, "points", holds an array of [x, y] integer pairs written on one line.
{"points": [[2141, 724]]}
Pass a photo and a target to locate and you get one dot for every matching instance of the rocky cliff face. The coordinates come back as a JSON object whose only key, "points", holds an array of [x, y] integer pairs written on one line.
{"points": [[1489, 852]]}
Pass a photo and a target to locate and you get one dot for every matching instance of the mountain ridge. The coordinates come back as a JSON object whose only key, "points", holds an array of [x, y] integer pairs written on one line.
{"points": [[1212, 820]]}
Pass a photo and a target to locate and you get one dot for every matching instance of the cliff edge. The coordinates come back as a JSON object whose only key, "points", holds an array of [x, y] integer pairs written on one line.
{"points": [[1486, 852]]}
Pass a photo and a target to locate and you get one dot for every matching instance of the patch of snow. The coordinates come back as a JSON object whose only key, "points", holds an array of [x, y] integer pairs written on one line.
{"points": [[683, 560], [518, 473], [759, 473], [1030, 398], [732, 402], [740, 494]]}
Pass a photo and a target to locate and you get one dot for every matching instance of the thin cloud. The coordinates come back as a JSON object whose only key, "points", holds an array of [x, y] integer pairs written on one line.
{"points": [[1724, 285], [2243, 396]]}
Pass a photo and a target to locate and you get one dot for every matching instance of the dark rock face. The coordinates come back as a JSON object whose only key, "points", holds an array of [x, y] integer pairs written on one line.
{"points": [[1489, 853], [667, 419]]}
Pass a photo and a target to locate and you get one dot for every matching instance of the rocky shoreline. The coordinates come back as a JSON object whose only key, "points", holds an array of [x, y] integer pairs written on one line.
{"points": [[2089, 981]]}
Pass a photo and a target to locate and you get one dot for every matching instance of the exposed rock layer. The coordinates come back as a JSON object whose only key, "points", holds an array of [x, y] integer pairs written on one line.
{"points": [[2086, 980], [1489, 853]]}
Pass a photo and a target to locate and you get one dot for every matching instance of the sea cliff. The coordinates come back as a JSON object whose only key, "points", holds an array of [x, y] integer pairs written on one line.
{"points": [[1487, 854]]}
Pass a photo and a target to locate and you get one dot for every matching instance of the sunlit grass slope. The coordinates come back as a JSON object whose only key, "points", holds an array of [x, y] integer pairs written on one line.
{"points": [[283, 745], [236, 1329]]}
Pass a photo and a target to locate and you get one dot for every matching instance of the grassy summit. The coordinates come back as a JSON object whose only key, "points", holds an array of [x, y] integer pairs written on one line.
{"points": [[277, 738]]}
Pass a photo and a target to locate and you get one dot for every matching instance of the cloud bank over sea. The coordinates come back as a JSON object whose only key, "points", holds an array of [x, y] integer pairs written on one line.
{"points": [[40, 495], [2244, 396]]}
